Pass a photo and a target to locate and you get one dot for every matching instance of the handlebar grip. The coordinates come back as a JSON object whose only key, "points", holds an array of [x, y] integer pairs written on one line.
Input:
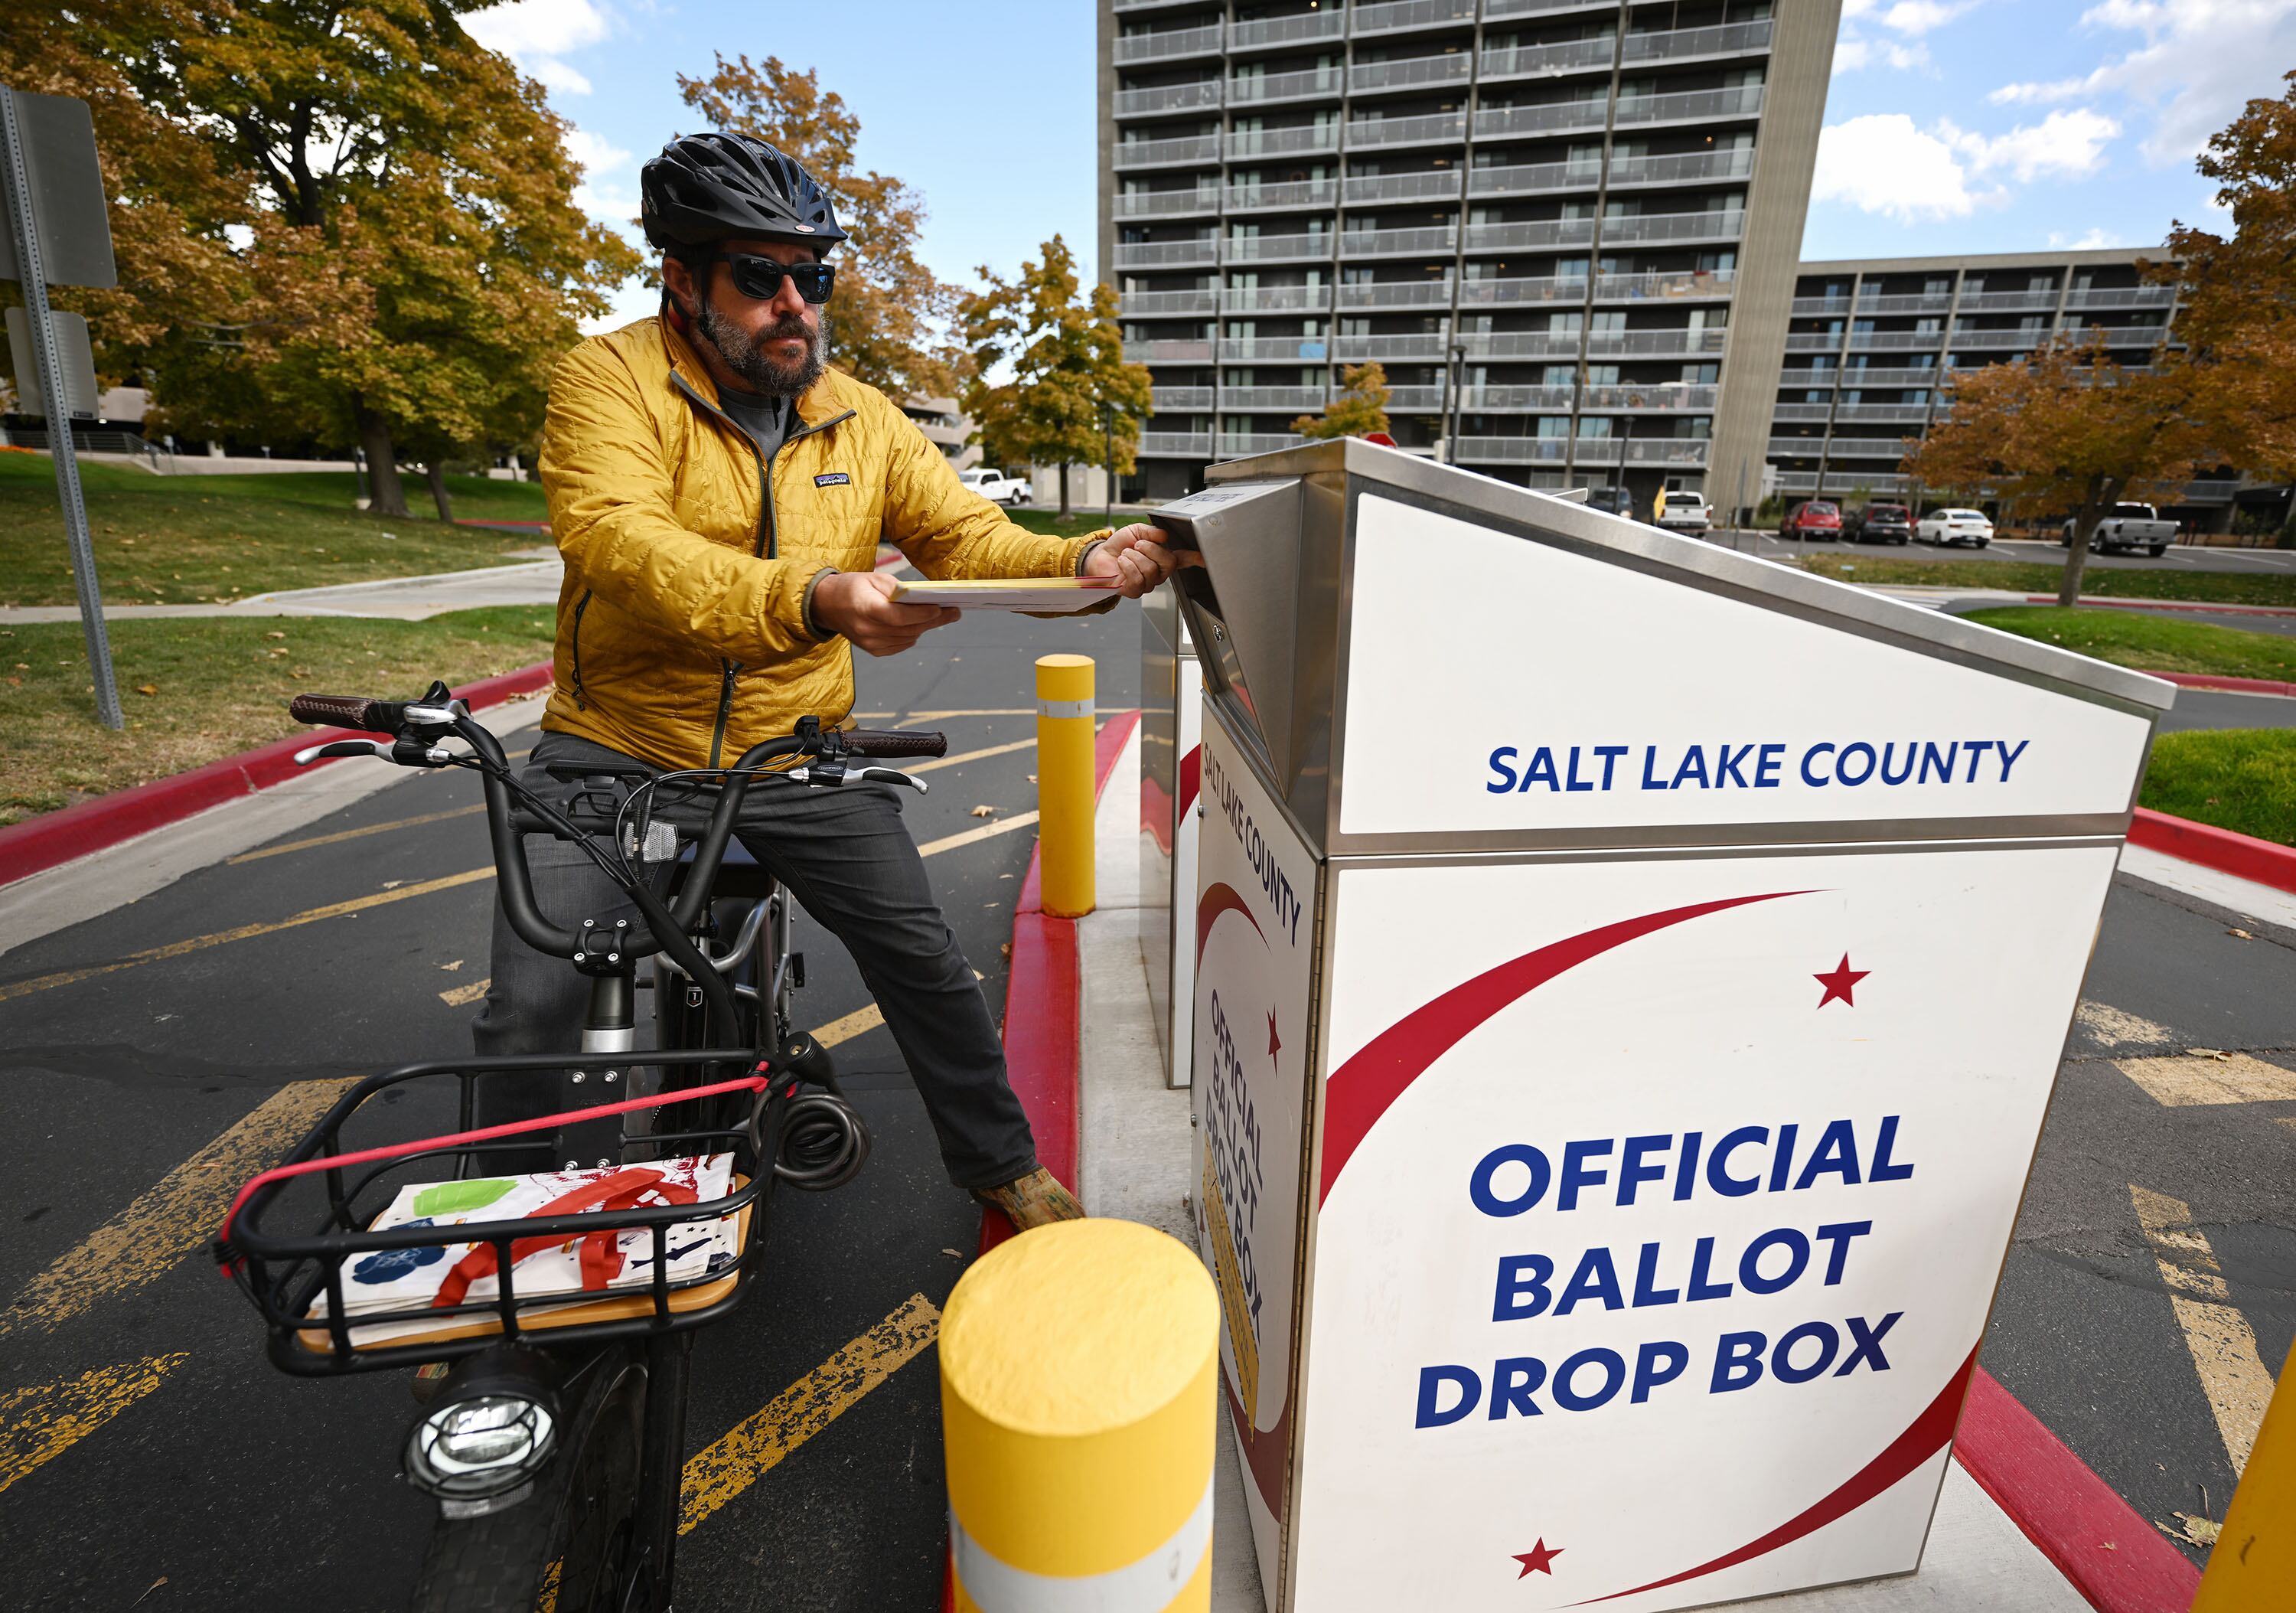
{"points": [[348, 712], [896, 742]]}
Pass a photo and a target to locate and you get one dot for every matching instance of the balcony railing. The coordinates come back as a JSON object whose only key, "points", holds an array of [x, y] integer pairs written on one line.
{"points": [[1880, 414], [1689, 44], [1175, 351], [1166, 45], [1671, 397], [1520, 344], [1500, 11], [1167, 254], [1530, 234], [1534, 179], [1546, 60], [1168, 98], [2008, 302], [1243, 143], [1904, 302], [1411, 71], [1871, 375], [1503, 294], [1901, 340], [1271, 398], [1511, 450], [1715, 224], [1817, 341], [1514, 399], [1237, 445], [1168, 154], [1400, 14], [1166, 304], [1795, 448], [1838, 307], [1276, 249], [1865, 447], [1679, 341], [1553, 117], [1289, 193], [1744, 102], [2127, 296], [2218, 490], [1594, 450], [1397, 294], [2018, 341], [1304, 30], [1432, 128], [1669, 284], [1258, 89], [1277, 298], [1275, 349], [1427, 347], [1682, 451], [1168, 204], [1422, 243], [1797, 414], [1176, 400], [1176, 445], [1441, 184], [1683, 167], [2116, 335]]}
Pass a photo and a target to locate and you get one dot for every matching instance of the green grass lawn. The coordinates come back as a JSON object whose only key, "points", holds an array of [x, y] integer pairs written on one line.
{"points": [[1080, 521], [188, 539], [2242, 779], [2152, 644], [198, 689], [1866, 568]]}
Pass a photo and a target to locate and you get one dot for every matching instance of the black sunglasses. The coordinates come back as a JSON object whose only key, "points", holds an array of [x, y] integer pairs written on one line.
{"points": [[761, 277]]}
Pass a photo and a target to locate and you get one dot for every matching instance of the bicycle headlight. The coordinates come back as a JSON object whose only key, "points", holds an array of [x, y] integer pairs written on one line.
{"points": [[481, 1446]]}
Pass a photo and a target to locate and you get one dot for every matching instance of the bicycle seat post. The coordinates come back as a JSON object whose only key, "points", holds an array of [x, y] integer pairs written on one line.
{"points": [[609, 1033]]}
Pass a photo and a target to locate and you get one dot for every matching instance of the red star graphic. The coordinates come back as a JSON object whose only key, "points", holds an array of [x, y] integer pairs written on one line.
{"points": [[1840, 982], [1535, 1560], [1273, 1042]]}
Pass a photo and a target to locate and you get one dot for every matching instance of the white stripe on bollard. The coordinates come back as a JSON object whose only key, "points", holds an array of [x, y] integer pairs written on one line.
{"points": [[1145, 1586], [1064, 708]]}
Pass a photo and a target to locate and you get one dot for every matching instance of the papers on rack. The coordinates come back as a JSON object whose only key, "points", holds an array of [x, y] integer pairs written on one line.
{"points": [[1050, 595]]}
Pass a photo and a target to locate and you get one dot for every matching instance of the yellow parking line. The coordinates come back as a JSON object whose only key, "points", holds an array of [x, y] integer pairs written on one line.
{"points": [[40, 1423], [174, 1215], [987, 831], [2223, 1346], [2192, 1079], [340, 836], [246, 931], [950, 761], [756, 1445]]}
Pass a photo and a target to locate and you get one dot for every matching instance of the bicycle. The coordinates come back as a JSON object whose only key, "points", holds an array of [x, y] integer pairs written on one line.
{"points": [[556, 1443]]}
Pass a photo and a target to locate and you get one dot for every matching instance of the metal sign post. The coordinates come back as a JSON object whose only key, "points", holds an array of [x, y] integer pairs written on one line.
{"points": [[29, 248]]}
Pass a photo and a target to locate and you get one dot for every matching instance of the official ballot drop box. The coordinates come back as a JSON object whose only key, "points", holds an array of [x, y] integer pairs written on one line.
{"points": [[1629, 977], [1171, 760]]}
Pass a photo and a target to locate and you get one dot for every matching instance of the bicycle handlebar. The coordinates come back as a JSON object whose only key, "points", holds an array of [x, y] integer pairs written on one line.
{"points": [[349, 711], [896, 742]]}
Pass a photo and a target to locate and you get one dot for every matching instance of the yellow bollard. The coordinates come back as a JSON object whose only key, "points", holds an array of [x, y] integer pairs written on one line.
{"points": [[1080, 1370], [2253, 1568], [1065, 795]]}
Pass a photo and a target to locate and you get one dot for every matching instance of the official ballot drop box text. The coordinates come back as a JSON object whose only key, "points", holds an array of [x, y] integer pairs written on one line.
{"points": [[1628, 980]]}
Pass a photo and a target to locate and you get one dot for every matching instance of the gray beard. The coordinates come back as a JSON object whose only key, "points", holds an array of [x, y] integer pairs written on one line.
{"points": [[745, 357]]}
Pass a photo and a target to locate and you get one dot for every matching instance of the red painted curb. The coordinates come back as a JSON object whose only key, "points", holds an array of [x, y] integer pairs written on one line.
{"points": [[2264, 861], [58, 837], [2238, 686], [2118, 1562], [2087, 600]]}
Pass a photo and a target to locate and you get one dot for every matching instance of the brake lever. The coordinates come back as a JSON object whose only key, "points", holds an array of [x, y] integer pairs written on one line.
{"points": [[834, 778], [342, 747]]}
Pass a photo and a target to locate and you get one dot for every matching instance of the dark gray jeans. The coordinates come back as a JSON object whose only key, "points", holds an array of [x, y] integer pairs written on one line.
{"points": [[846, 856]]}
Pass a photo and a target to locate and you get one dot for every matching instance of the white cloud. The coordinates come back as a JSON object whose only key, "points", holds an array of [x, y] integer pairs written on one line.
{"points": [[605, 191], [2200, 63], [1851, 55], [2099, 237], [2064, 145], [1881, 163], [1914, 18], [538, 34]]}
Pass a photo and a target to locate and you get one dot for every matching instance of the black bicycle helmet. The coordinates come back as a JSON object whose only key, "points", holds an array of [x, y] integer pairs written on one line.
{"points": [[718, 186]]}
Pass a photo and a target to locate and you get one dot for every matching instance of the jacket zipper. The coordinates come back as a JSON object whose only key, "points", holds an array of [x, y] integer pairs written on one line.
{"points": [[580, 606], [766, 547]]}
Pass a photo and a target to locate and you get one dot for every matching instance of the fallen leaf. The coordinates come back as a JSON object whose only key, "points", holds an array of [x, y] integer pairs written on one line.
{"points": [[147, 689], [1032, 778], [2207, 1053], [2192, 1531], [392, 884], [954, 1253], [984, 812], [154, 1586], [456, 965], [1006, 950], [2243, 935], [274, 635]]}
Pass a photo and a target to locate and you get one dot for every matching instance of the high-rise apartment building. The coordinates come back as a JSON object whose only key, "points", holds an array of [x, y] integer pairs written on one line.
{"points": [[1872, 341], [1567, 229]]}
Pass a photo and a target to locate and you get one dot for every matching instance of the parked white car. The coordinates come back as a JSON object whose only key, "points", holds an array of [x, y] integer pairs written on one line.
{"points": [[1686, 513], [997, 487], [1950, 527], [2127, 527]]}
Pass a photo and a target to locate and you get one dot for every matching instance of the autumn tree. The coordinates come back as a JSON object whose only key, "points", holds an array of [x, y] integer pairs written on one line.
{"points": [[888, 319], [1359, 409], [2237, 308], [2067, 430], [1071, 396]]}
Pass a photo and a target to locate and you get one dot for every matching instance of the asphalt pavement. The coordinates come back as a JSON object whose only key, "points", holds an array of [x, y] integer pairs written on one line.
{"points": [[159, 1053]]}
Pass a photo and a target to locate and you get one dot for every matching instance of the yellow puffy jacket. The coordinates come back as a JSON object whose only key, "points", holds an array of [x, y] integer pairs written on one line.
{"points": [[682, 637]]}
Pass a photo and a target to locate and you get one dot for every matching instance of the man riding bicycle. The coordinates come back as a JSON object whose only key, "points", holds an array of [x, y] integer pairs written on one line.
{"points": [[718, 496]]}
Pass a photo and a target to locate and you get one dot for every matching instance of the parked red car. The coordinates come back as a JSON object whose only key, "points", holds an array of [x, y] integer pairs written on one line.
{"points": [[1817, 521]]}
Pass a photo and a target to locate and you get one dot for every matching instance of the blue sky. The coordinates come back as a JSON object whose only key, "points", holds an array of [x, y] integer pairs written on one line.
{"points": [[1952, 126]]}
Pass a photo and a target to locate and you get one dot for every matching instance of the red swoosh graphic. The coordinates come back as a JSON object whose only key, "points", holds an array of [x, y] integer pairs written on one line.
{"points": [[1924, 1438], [1221, 898], [1192, 778], [1365, 1086]]}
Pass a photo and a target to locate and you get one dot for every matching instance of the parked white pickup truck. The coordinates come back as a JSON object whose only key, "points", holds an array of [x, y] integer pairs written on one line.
{"points": [[2129, 526], [997, 487]]}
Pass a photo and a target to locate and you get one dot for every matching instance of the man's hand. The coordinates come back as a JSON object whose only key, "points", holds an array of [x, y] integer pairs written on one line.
{"points": [[1137, 556], [859, 606]]}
